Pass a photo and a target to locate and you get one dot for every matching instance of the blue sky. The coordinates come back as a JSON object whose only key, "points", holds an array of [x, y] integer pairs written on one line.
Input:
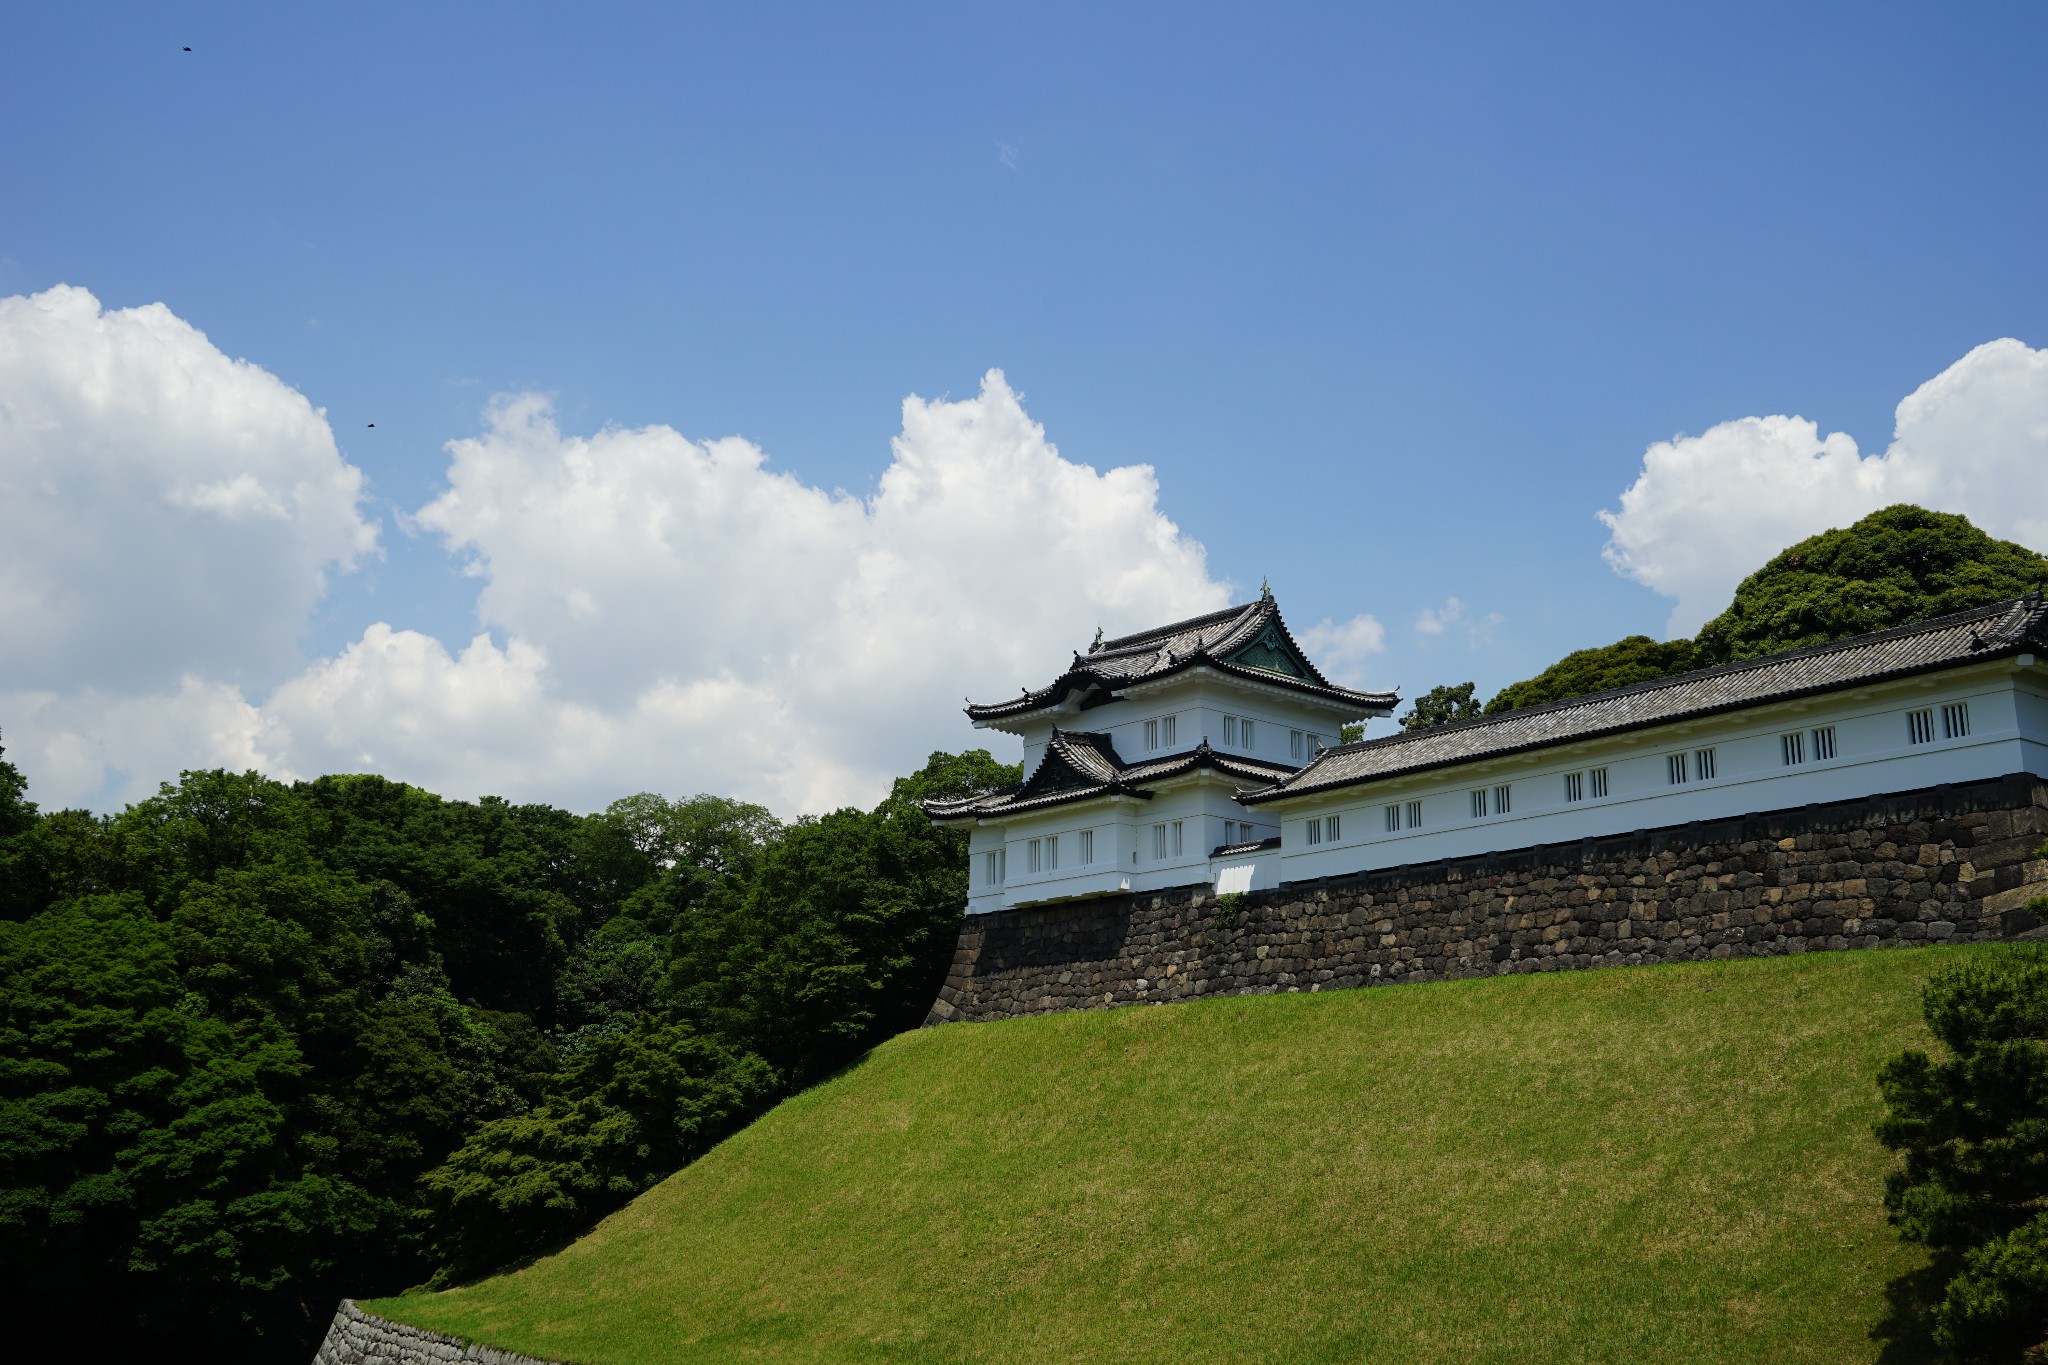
{"points": [[1392, 299]]}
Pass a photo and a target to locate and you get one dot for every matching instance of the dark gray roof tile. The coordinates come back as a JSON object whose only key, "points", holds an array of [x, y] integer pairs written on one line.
{"points": [[1218, 640], [1080, 765], [2003, 628]]}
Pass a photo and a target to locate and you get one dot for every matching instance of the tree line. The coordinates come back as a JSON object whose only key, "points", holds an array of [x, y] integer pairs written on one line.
{"points": [[263, 1044], [1896, 566]]}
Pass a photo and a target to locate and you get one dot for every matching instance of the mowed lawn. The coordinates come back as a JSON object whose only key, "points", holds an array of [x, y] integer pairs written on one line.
{"points": [[1654, 1164]]}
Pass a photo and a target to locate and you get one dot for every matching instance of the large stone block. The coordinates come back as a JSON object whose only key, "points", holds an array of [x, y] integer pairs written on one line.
{"points": [[1946, 864]]}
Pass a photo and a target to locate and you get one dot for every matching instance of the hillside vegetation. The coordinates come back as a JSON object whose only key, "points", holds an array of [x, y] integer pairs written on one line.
{"points": [[1898, 565], [1657, 1164], [264, 1043]]}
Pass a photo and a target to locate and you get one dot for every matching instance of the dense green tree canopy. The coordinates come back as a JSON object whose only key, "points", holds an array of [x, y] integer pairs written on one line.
{"points": [[263, 1044], [1632, 659], [1896, 566], [1441, 705], [1972, 1128]]}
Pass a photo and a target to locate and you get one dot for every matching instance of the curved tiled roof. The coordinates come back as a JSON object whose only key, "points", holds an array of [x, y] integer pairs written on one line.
{"points": [[1080, 765], [2003, 628], [1207, 641]]}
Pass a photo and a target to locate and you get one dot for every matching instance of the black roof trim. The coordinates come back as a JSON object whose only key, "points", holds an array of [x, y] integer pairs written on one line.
{"points": [[1091, 756], [1989, 632], [1255, 846], [1162, 652]]}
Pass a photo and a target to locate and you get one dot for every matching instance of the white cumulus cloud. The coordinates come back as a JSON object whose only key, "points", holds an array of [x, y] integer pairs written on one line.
{"points": [[657, 612], [165, 511], [1343, 649], [1708, 510], [788, 643]]}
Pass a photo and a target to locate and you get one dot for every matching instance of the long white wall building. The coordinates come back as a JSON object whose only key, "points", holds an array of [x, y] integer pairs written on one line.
{"points": [[1203, 753]]}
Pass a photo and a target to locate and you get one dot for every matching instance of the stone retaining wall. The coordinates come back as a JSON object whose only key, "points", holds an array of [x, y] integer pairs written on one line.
{"points": [[359, 1338], [1945, 864]]}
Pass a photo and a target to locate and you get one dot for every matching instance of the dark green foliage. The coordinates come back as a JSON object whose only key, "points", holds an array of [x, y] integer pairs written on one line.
{"points": [[264, 1044], [1896, 566], [1441, 705], [843, 936], [630, 1108], [1633, 659], [1973, 1130], [25, 857]]}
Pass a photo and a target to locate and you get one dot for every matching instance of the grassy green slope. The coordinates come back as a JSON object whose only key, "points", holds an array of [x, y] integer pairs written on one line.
{"points": [[1657, 1164]]}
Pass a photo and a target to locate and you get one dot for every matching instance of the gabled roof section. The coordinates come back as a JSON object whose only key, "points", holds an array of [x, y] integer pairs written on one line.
{"points": [[1997, 631], [1251, 642], [1079, 765]]}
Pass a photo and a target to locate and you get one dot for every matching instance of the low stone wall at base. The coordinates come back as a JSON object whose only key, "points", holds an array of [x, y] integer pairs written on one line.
{"points": [[359, 1338], [1952, 863]]}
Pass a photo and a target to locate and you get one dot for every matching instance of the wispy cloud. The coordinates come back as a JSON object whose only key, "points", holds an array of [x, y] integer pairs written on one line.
{"points": [[1454, 615]]}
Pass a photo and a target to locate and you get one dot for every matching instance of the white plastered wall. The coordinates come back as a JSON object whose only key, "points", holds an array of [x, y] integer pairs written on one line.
{"points": [[2008, 732]]}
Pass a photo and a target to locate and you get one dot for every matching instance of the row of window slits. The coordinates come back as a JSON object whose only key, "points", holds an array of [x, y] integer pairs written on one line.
{"points": [[1404, 814], [1696, 765], [1498, 800], [1955, 723], [1238, 733], [1793, 746]]}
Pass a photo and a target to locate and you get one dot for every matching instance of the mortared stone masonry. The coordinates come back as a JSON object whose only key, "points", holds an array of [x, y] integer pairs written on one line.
{"points": [[1946, 864]]}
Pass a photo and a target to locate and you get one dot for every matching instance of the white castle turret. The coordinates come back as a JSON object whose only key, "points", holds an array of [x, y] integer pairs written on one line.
{"points": [[1135, 756]]}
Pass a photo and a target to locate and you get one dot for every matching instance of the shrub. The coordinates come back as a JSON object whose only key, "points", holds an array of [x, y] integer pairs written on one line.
{"points": [[1973, 1131]]}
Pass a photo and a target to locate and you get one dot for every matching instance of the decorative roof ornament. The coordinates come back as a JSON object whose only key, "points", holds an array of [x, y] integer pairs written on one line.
{"points": [[1265, 589], [1097, 643]]}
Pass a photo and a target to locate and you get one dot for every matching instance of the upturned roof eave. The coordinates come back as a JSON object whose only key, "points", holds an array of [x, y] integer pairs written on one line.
{"points": [[1055, 695]]}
